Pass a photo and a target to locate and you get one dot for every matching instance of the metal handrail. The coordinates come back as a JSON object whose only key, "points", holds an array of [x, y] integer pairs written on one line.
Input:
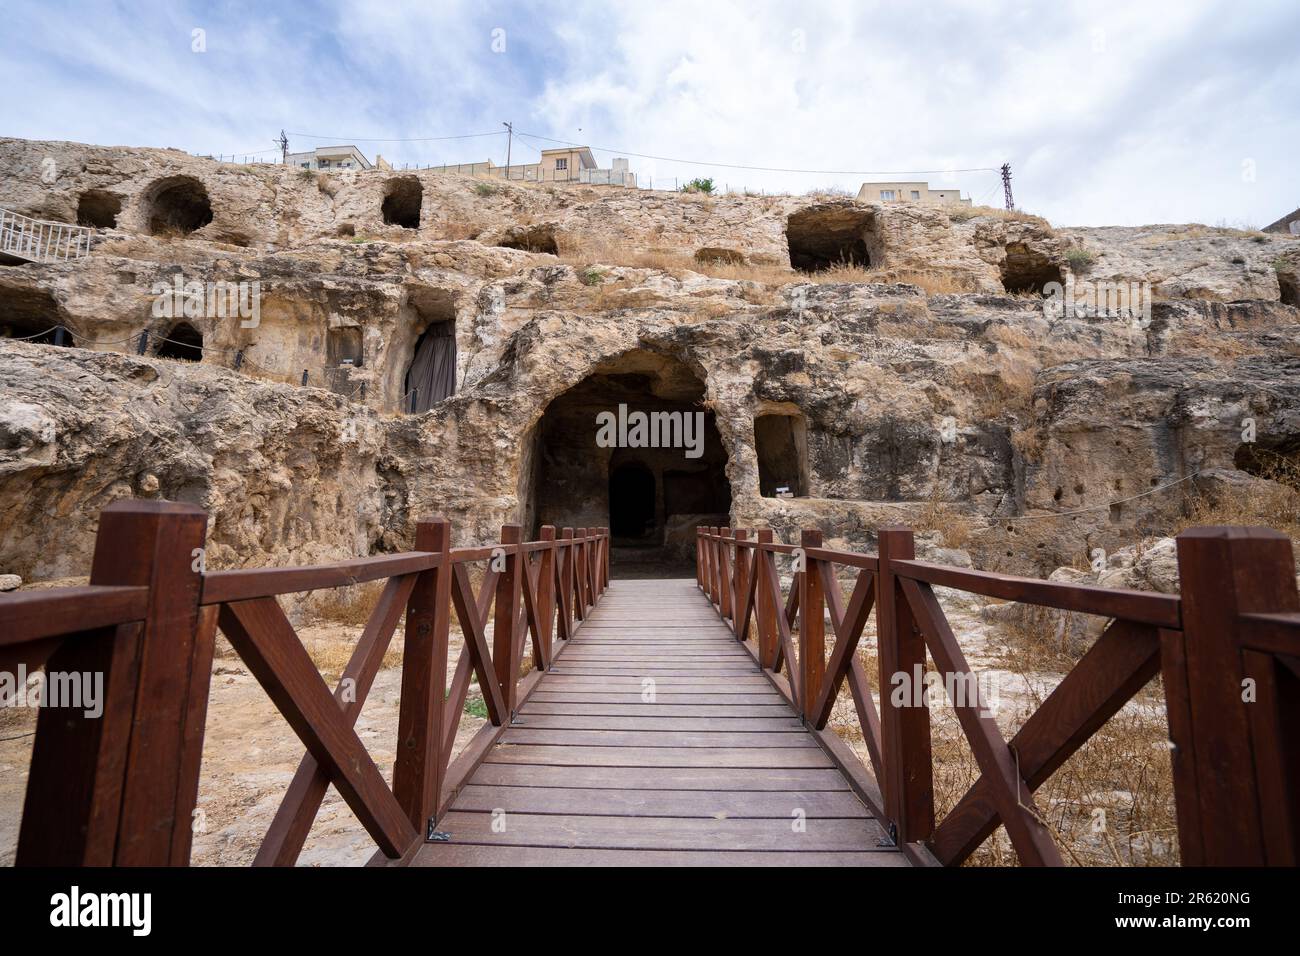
{"points": [[38, 240]]}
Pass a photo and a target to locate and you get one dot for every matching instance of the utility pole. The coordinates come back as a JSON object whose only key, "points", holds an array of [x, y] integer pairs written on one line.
{"points": [[284, 148], [1006, 186], [510, 135]]}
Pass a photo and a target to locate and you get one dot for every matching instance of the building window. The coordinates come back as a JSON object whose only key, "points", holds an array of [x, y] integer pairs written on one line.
{"points": [[886, 194], [916, 195], [561, 164]]}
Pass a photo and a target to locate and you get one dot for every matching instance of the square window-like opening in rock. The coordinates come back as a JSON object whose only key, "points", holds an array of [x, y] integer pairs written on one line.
{"points": [[781, 441]]}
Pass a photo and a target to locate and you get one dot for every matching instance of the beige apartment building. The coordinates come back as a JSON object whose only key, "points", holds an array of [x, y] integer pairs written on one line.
{"points": [[570, 164], [335, 157], [910, 192]]}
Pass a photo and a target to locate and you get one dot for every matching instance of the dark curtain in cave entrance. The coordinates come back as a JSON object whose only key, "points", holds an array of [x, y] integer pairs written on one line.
{"points": [[432, 375]]}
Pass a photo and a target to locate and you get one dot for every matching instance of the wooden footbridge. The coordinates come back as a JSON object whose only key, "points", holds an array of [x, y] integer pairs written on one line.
{"points": [[650, 721]]}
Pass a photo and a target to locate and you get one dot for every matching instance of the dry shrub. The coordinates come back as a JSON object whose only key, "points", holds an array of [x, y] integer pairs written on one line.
{"points": [[1030, 442], [1121, 777], [1011, 338], [348, 605], [1007, 389], [1203, 342], [931, 282], [938, 515], [457, 229], [1273, 503], [967, 213]]}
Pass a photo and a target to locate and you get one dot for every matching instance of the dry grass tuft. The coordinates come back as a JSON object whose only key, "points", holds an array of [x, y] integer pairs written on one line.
{"points": [[1274, 503], [967, 213], [942, 516], [1007, 389], [350, 605]]}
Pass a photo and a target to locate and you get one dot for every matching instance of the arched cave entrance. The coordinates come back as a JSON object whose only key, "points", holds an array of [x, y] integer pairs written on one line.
{"points": [[98, 208], [182, 341], [824, 237], [581, 469], [403, 198], [177, 204], [33, 316], [1027, 272]]}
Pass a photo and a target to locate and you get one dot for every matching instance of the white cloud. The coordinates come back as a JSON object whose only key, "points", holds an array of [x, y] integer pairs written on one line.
{"points": [[1109, 111]]}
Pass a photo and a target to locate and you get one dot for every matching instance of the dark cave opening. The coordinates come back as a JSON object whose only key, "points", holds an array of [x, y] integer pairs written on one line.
{"points": [[99, 209], [632, 494], [177, 205], [403, 199], [1027, 272], [828, 237], [183, 341]]}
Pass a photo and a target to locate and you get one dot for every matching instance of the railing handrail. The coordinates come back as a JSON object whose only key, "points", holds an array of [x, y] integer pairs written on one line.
{"points": [[41, 240], [1235, 624], [122, 791]]}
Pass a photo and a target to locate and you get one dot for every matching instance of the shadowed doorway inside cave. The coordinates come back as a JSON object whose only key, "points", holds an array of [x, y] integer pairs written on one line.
{"points": [[651, 498], [632, 495]]}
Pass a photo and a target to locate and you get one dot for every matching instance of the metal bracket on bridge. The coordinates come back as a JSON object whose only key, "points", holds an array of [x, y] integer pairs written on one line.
{"points": [[891, 836], [434, 835]]}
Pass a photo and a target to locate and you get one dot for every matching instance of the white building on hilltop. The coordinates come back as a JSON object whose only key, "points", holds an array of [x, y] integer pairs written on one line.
{"points": [[910, 192]]}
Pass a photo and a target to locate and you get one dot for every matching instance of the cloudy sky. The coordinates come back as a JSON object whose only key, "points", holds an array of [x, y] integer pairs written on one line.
{"points": [[1128, 112]]}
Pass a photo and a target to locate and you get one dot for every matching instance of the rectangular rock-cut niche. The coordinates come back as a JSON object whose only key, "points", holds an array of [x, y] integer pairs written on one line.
{"points": [[343, 347], [781, 441]]}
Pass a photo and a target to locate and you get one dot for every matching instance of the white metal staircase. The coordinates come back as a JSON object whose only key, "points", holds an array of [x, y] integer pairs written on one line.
{"points": [[36, 240]]}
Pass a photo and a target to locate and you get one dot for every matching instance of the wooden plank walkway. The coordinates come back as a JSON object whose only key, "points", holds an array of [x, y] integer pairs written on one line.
{"points": [[656, 740]]}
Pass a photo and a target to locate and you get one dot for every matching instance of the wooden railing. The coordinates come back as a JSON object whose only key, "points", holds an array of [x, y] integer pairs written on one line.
{"points": [[121, 788], [1227, 648]]}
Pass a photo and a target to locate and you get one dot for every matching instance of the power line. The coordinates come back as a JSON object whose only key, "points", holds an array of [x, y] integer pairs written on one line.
{"points": [[763, 169], [416, 139]]}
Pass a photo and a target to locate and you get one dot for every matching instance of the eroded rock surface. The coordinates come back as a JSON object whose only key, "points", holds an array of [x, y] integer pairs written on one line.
{"points": [[911, 386]]}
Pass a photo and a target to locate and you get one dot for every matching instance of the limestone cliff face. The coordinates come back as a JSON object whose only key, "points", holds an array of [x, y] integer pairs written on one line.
{"points": [[921, 383]]}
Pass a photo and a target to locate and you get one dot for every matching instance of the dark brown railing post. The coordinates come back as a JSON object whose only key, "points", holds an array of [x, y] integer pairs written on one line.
{"points": [[420, 763], [509, 590], [579, 592], [812, 624], [740, 600], [595, 574], [546, 590], [699, 556], [715, 565], [765, 605], [1221, 741], [566, 583], [708, 562], [908, 786], [725, 582], [120, 788], [605, 562]]}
